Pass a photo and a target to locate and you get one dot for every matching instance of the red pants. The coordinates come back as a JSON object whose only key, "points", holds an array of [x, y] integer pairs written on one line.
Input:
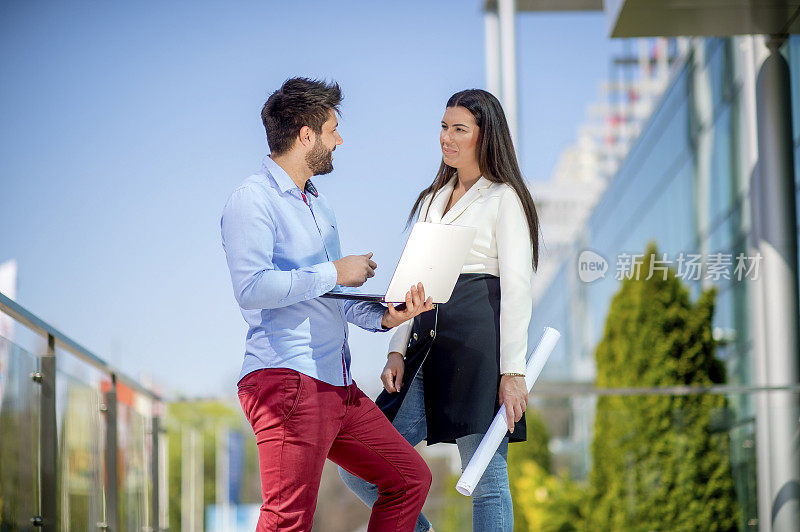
{"points": [[299, 421]]}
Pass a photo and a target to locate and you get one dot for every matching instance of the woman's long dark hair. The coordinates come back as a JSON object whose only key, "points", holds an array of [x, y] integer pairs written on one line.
{"points": [[496, 157]]}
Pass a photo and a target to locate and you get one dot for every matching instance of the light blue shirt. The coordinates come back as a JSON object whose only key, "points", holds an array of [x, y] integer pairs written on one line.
{"points": [[280, 253]]}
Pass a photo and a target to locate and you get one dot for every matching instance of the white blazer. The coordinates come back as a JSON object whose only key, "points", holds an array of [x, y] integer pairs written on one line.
{"points": [[502, 247]]}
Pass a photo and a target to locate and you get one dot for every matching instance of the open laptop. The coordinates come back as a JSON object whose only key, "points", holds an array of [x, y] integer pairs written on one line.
{"points": [[434, 255]]}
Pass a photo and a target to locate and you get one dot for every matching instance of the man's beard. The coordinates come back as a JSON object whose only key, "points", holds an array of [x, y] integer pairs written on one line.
{"points": [[319, 159]]}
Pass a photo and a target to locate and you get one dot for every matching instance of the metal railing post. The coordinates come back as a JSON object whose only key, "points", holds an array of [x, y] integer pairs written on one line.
{"points": [[48, 440], [111, 466]]}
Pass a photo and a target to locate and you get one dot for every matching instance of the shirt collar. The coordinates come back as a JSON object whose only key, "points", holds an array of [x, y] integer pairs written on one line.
{"points": [[282, 179], [278, 174], [311, 189], [439, 202], [483, 185]]}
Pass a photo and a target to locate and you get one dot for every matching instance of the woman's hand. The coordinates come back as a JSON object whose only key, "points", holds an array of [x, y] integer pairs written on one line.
{"points": [[392, 376], [415, 304], [513, 394]]}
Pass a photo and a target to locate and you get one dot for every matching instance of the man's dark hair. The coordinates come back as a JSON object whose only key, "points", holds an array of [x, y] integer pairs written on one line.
{"points": [[299, 102]]}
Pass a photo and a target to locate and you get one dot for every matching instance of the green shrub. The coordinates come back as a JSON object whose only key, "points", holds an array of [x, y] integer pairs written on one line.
{"points": [[660, 462]]}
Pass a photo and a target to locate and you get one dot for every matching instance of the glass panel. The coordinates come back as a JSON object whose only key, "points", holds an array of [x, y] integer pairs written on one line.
{"points": [[163, 480], [723, 178], [19, 436], [81, 443], [793, 53], [657, 156], [721, 69], [135, 452], [559, 365]]}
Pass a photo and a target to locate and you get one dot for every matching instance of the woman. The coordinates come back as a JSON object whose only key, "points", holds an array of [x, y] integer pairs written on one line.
{"points": [[449, 369]]}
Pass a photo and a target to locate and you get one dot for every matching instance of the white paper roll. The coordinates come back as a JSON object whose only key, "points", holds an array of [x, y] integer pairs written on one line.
{"points": [[497, 430]]}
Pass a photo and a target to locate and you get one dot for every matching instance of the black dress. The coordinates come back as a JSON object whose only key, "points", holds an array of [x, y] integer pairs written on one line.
{"points": [[458, 347]]}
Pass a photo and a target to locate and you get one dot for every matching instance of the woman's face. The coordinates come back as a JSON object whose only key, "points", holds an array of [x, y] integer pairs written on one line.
{"points": [[459, 138]]}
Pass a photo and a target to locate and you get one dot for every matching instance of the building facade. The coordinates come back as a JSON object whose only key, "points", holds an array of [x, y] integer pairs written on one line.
{"points": [[686, 184]]}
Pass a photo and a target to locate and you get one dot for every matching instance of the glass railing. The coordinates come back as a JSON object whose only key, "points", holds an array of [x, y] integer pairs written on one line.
{"points": [[80, 442]]}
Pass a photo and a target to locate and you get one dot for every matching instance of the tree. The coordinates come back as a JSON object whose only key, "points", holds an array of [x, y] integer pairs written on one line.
{"points": [[542, 501], [535, 449], [548, 503], [660, 462]]}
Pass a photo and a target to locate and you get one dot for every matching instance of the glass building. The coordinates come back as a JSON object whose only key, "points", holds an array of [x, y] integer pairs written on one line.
{"points": [[685, 185], [711, 177]]}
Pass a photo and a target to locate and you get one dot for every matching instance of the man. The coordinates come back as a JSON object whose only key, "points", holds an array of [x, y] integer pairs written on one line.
{"points": [[283, 251]]}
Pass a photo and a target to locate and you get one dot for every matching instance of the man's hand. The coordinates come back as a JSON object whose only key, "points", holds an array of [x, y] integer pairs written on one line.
{"points": [[513, 394], [354, 270], [392, 375], [415, 304]]}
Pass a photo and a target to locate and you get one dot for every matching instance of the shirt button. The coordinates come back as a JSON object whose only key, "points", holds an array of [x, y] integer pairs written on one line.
{"points": [[415, 337], [433, 333]]}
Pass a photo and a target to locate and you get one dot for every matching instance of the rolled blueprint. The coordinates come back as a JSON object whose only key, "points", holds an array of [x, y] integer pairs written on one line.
{"points": [[499, 427]]}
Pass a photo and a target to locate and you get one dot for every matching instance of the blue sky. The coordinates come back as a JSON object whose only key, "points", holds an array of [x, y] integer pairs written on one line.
{"points": [[125, 127]]}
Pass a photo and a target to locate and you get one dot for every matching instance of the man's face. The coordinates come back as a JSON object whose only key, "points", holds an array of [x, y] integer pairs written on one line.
{"points": [[320, 158]]}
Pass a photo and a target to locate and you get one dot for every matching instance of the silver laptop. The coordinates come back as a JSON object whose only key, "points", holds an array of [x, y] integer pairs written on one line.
{"points": [[434, 255]]}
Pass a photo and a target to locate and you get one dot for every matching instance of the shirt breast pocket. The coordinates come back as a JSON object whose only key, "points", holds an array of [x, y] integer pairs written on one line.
{"points": [[330, 236]]}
